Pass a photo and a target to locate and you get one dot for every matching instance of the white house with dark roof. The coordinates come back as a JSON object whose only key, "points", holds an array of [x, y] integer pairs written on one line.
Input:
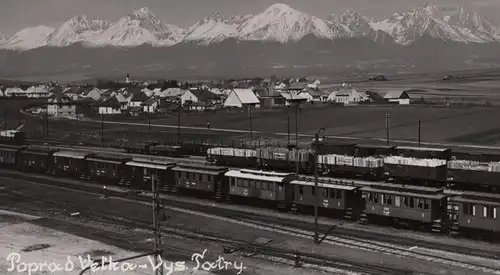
{"points": [[151, 105], [241, 98], [399, 96]]}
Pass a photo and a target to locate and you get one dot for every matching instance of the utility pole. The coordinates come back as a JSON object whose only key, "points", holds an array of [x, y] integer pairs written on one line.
{"points": [[179, 122], [316, 230], [149, 123], [18, 115], [47, 124], [157, 218], [387, 126], [250, 120], [419, 128], [102, 127], [288, 126], [5, 120], [297, 134]]}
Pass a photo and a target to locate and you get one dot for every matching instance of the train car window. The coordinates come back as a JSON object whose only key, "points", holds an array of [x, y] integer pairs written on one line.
{"points": [[233, 181], [397, 201], [339, 194], [326, 192], [301, 190], [332, 193], [494, 212], [210, 178], [271, 186], [426, 204], [313, 190], [383, 199], [375, 197], [389, 199], [246, 183], [370, 197], [474, 210], [466, 209], [412, 202], [265, 186], [420, 203], [485, 211]]}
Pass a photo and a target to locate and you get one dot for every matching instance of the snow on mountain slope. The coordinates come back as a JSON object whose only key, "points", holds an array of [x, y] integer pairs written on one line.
{"points": [[212, 29], [448, 24], [2, 38], [29, 38], [283, 24], [78, 29], [140, 27]]}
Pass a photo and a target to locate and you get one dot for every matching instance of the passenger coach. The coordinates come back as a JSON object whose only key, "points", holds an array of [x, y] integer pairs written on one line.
{"points": [[205, 179]]}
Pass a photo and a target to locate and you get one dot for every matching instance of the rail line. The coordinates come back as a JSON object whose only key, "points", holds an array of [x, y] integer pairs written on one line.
{"points": [[238, 245], [352, 242]]}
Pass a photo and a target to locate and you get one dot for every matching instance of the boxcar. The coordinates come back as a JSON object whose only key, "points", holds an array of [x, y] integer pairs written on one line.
{"points": [[413, 204], [334, 147], [204, 178], [139, 173], [332, 194], [70, 163], [239, 157], [261, 185], [285, 160], [477, 211], [107, 167], [9, 155], [436, 173], [167, 150], [37, 159]]}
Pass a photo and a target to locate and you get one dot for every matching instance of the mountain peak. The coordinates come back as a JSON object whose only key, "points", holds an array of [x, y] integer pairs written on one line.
{"points": [[280, 8], [216, 16], [142, 13]]}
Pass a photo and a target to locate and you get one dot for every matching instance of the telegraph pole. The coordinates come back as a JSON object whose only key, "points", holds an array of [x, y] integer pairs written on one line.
{"points": [[179, 122], [288, 126], [102, 127], [5, 120], [387, 126], [297, 134], [18, 115], [149, 123], [250, 120], [47, 124], [157, 218], [316, 230], [419, 128]]}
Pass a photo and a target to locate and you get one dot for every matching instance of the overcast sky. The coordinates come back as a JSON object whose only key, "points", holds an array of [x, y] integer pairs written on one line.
{"points": [[18, 14]]}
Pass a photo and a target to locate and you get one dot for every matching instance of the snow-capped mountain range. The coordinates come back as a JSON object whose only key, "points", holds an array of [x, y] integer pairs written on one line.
{"points": [[278, 23]]}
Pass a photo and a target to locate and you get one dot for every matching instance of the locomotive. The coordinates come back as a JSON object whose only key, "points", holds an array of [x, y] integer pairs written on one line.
{"points": [[353, 199]]}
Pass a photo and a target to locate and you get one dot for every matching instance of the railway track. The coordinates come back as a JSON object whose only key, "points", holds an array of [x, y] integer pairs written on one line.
{"points": [[397, 246], [306, 259]]}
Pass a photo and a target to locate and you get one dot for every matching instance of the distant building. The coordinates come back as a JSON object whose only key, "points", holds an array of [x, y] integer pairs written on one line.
{"points": [[314, 95], [399, 96], [60, 105], [241, 98], [110, 107], [137, 99], [347, 95], [151, 105]]}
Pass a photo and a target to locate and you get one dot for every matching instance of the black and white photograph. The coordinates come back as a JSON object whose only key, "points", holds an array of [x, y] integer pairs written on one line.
{"points": [[250, 137]]}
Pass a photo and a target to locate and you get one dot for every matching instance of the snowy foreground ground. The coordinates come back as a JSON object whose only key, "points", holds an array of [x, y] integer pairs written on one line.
{"points": [[37, 245]]}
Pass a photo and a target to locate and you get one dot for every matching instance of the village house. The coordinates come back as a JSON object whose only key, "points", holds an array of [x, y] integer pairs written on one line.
{"points": [[37, 92], [94, 94], [137, 99], [314, 95], [347, 95], [15, 92], [122, 100], [60, 105], [241, 98], [151, 105], [293, 97], [111, 106], [188, 96], [173, 94], [398, 96], [269, 97]]}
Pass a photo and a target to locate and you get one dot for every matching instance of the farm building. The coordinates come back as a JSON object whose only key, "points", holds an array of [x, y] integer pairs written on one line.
{"points": [[292, 97], [110, 107], [151, 105], [173, 93], [37, 92], [137, 99], [399, 96], [95, 94], [188, 96], [60, 105], [123, 101], [241, 98], [14, 92], [314, 95], [347, 95]]}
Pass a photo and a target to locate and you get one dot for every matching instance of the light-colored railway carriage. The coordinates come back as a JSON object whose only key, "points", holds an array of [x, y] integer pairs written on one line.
{"points": [[70, 163], [139, 172], [261, 185], [204, 178], [411, 204], [476, 211], [333, 194]]}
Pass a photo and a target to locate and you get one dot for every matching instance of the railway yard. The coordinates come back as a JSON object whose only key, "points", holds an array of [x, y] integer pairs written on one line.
{"points": [[400, 208]]}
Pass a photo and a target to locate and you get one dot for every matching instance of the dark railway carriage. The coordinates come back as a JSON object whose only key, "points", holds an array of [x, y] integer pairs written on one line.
{"points": [[168, 150], [423, 152], [107, 167], [9, 155], [282, 159], [334, 147], [341, 197], [475, 212], [70, 163], [264, 186], [139, 173], [368, 150], [232, 156], [207, 179], [406, 204], [37, 159]]}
